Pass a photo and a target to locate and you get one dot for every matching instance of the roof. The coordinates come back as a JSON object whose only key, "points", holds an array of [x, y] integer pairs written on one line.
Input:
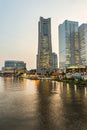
{"points": [[76, 67]]}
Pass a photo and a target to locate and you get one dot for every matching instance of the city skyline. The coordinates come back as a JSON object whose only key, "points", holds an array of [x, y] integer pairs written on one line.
{"points": [[19, 25]]}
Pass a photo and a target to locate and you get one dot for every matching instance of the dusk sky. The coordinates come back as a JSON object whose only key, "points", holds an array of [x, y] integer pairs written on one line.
{"points": [[19, 25]]}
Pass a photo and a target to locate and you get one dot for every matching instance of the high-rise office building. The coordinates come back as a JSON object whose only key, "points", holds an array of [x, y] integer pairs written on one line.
{"points": [[44, 56], [55, 60], [68, 44], [83, 44]]}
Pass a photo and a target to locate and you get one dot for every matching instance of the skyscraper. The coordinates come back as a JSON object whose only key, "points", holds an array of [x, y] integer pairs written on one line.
{"points": [[55, 60], [44, 56], [83, 44], [68, 44]]}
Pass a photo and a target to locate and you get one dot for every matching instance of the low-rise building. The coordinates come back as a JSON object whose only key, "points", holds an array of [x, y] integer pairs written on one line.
{"points": [[12, 67]]}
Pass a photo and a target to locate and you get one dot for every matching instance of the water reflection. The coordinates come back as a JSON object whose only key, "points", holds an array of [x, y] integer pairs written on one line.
{"points": [[63, 106], [11, 83], [75, 106], [18, 104], [42, 105]]}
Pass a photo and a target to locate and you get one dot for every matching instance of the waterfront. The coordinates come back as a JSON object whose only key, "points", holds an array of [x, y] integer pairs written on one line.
{"points": [[42, 105]]}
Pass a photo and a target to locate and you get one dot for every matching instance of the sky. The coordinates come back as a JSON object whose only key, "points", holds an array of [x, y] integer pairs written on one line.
{"points": [[19, 25]]}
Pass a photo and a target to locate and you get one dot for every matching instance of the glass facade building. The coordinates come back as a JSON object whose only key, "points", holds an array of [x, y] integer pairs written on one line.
{"points": [[68, 44], [13, 67], [10, 64], [55, 60], [83, 44], [44, 56]]}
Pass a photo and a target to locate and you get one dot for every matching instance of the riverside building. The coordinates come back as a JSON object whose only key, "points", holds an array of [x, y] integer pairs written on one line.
{"points": [[12, 67], [68, 44], [44, 56], [83, 44]]}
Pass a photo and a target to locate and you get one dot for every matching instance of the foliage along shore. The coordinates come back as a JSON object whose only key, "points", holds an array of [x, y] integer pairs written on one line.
{"points": [[78, 82]]}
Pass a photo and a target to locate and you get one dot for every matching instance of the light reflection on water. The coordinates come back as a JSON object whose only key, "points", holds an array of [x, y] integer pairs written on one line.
{"points": [[42, 105]]}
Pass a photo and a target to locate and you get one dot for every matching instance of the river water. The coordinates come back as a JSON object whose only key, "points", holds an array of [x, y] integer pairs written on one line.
{"points": [[42, 105]]}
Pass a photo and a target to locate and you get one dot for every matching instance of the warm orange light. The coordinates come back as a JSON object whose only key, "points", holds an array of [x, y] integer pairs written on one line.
{"points": [[37, 83]]}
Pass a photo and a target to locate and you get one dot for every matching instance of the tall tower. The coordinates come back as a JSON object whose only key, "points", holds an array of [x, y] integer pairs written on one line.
{"points": [[44, 56], [68, 44], [83, 43]]}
